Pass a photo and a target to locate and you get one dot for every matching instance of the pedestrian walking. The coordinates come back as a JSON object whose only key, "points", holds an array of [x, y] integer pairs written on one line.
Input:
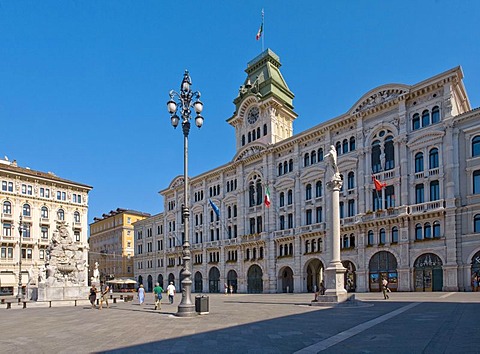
{"points": [[157, 292], [93, 296], [141, 295], [225, 286], [231, 289], [104, 297], [171, 292], [475, 282], [385, 288]]}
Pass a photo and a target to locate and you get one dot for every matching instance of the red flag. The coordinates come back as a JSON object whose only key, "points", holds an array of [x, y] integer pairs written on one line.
{"points": [[378, 185]]}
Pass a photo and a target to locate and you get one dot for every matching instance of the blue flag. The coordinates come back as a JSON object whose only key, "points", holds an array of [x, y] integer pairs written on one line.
{"points": [[215, 208]]}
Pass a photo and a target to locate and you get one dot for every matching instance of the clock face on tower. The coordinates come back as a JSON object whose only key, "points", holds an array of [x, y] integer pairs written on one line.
{"points": [[253, 115]]}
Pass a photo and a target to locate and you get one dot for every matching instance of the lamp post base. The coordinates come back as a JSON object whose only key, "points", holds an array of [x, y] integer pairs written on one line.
{"points": [[186, 311]]}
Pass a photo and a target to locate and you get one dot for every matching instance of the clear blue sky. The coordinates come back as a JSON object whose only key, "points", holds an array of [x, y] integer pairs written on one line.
{"points": [[84, 83]]}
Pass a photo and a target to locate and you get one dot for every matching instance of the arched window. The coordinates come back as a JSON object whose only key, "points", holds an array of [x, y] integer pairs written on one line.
{"points": [[280, 253], [26, 210], [313, 157], [425, 118], [285, 167], [419, 193], [389, 153], [234, 212], [419, 162], [60, 214], [289, 197], [370, 240], [351, 180], [259, 192], [248, 253], [307, 246], [44, 212], [345, 146], [352, 240], [251, 194], [338, 147], [418, 232], [229, 212], [320, 154], [290, 248], [308, 192], [436, 229], [476, 223], [382, 236], [258, 133], [476, 146], [433, 158], [290, 165], [376, 164], [427, 230], [352, 143], [318, 189], [435, 115], [280, 169], [7, 207], [282, 199], [211, 216], [282, 222], [476, 182], [249, 136], [264, 129], [434, 191], [416, 121], [306, 160], [76, 216], [243, 139], [394, 234], [345, 241]]}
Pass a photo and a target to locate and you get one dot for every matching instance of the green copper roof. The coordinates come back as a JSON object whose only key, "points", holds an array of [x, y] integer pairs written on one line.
{"points": [[265, 79]]}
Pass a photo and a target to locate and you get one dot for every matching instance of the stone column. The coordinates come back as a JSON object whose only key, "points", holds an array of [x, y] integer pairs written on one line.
{"points": [[334, 274]]}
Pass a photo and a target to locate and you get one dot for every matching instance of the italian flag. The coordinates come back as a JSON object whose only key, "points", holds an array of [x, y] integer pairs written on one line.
{"points": [[267, 197], [259, 33]]}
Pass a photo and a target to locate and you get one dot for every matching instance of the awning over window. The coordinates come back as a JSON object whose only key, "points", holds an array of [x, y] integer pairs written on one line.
{"points": [[8, 280]]}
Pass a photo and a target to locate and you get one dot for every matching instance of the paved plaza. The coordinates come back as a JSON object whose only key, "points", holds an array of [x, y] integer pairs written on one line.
{"points": [[245, 323]]}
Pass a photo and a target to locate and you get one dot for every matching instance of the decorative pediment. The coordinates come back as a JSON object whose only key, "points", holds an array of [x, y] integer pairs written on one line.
{"points": [[378, 96], [177, 182], [430, 137], [249, 151]]}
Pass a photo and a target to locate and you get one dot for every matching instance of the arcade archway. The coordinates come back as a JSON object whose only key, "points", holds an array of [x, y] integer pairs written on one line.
{"points": [[428, 273], [314, 275], [350, 277], [383, 264], [232, 280], [254, 280], [285, 280], [198, 282], [214, 280]]}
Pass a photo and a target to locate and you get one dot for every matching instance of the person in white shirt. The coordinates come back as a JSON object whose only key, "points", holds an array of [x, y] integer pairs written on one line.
{"points": [[171, 291]]}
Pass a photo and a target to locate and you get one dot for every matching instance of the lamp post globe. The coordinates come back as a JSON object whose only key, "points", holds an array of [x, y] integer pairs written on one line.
{"points": [[183, 102]]}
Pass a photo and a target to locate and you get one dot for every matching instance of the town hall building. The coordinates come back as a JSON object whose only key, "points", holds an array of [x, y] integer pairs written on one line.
{"points": [[418, 224]]}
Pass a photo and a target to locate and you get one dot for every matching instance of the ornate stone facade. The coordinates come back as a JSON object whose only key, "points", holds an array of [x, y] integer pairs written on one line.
{"points": [[421, 143]]}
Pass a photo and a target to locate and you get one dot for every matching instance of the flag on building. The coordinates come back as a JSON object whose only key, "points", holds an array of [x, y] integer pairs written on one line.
{"points": [[260, 30], [214, 207], [267, 197], [378, 185]]}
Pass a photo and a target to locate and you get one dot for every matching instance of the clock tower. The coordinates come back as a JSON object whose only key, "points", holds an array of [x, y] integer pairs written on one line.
{"points": [[264, 106]]}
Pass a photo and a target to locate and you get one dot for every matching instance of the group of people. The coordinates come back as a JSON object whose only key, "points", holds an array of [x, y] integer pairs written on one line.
{"points": [[103, 296], [228, 288]]}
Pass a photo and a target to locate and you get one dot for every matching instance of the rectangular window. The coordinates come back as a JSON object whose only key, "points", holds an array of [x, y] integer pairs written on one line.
{"points": [[4, 186], [419, 194], [74, 198], [79, 199], [7, 229], [10, 186], [290, 221], [42, 192], [319, 214], [59, 195], [10, 252], [47, 193], [26, 231], [29, 190], [3, 252], [77, 236], [24, 189], [64, 196], [44, 232], [42, 254], [308, 217]]}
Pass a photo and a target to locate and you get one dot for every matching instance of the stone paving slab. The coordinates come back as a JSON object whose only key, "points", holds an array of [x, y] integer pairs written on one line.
{"points": [[241, 323]]}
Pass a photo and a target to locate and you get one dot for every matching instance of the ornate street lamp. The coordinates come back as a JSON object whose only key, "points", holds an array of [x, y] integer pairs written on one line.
{"points": [[185, 100], [20, 230]]}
